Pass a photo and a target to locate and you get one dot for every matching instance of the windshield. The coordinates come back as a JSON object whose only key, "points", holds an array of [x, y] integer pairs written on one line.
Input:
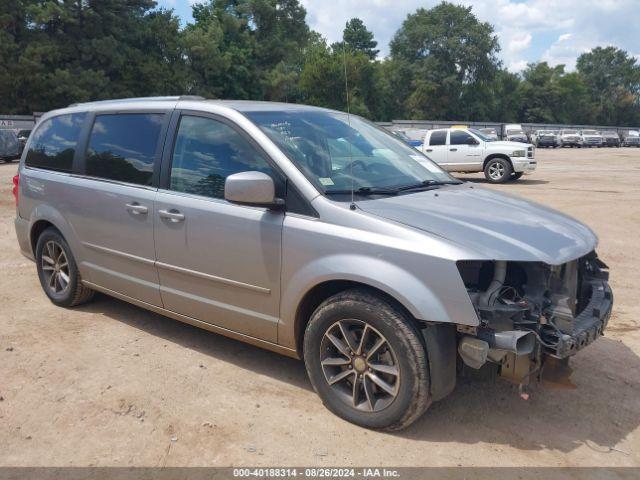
{"points": [[589, 132], [515, 132], [336, 154], [569, 132], [483, 136]]}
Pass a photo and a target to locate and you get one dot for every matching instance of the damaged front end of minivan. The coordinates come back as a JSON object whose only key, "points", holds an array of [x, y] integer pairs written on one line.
{"points": [[533, 316]]}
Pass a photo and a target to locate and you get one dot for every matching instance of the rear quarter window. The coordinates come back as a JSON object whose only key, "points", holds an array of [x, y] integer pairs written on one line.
{"points": [[53, 145]]}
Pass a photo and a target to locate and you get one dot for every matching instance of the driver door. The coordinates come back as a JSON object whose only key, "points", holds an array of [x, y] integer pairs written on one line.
{"points": [[463, 155]]}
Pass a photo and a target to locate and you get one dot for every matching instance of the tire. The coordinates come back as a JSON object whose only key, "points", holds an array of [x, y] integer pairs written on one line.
{"points": [[51, 252], [516, 175], [405, 396], [498, 170]]}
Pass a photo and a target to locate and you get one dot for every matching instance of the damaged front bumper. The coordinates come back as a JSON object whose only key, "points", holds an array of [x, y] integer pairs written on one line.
{"points": [[590, 323], [531, 313]]}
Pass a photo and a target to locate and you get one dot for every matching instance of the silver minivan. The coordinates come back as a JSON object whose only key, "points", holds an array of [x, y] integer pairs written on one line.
{"points": [[311, 233]]}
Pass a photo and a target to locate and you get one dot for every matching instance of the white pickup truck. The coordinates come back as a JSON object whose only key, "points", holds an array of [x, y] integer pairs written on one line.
{"points": [[469, 150]]}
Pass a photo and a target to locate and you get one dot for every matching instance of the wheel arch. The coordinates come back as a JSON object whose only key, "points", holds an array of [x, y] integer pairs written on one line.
{"points": [[36, 230], [324, 290], [44, 216], [503, 156]]}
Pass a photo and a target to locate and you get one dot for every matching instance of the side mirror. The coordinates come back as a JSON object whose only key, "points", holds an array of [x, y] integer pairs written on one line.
{"points": [[252, 188], [472, 141]]}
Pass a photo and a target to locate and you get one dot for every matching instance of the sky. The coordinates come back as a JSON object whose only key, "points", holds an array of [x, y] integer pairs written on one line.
{"points": [[556, 31]]}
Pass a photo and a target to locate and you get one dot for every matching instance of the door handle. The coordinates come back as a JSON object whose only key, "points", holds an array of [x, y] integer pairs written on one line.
{"points": [[136, 208], [172, 215], [453, 149], [429, 149]]}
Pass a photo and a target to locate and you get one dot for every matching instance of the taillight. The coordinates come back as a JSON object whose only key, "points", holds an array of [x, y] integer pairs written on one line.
{"points": [[16, 184]]}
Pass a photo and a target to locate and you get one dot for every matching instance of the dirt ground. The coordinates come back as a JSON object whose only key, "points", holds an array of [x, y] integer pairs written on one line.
{"points": [[111, 384]]}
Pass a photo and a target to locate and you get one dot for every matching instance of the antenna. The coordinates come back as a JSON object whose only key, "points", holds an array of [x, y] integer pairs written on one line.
{"points": [[346, 88]]}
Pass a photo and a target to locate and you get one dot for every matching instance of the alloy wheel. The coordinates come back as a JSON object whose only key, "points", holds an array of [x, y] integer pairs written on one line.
{"points": [[359, 365], [55, 267], [496, 171]]}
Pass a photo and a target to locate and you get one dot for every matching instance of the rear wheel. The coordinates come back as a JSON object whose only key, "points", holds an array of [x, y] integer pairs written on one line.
{"points": [[58, 272], [366, 361], [498, 170]]}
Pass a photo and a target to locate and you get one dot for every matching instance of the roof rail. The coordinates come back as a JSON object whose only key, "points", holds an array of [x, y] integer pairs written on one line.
{"points": [[141, 99]]}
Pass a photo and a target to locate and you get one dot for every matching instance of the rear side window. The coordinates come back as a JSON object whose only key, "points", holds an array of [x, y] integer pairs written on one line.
{"points": [[458, 137], [206, 152], [54, 143], [439, 137], [123, 147]]}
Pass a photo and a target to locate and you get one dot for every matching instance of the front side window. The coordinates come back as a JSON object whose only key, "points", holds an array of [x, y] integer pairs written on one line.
{"points": [[337, 153], [439, 137], [459, 137], [123, 147], [54, 143], [206, 152]]}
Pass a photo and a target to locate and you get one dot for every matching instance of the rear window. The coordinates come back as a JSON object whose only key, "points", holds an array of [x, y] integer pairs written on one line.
{"points": [[54, 143], [123, 147], [439, 137]]}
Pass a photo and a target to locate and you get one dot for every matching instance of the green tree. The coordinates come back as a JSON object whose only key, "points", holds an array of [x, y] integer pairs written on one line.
{"points": [[322, 80], [540, 93], [357, 38], [69, 51], [613, 79], [246, 48], [450, 52]]}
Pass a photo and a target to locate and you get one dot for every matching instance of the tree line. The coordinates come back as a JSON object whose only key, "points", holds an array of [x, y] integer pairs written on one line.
{"points": [[443, 63]]}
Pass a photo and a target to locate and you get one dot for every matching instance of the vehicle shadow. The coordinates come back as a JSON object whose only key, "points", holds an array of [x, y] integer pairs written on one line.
{"points": [[601, 412], [241, 354]]}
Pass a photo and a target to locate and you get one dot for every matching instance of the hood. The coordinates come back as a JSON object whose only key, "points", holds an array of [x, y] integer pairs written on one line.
{"points": [[506, 144], [495, 225]]}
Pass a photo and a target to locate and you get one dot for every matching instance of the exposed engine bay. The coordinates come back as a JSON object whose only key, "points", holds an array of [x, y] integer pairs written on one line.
{"points": [[533, 314]]}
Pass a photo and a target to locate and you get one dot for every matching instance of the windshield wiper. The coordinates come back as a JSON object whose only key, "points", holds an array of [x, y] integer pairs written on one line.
{"points": [[426, 184], [364, 191]]}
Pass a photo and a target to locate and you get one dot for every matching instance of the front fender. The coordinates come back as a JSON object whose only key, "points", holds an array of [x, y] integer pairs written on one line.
{"points": [[409, 289]]}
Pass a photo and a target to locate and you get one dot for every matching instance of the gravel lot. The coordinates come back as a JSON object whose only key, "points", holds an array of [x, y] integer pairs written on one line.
{"points": [[111, 384]]}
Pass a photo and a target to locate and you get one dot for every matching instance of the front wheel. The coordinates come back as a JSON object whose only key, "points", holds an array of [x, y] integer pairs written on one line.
{"points": [[516, 175], [366, 361], [498, 170]]}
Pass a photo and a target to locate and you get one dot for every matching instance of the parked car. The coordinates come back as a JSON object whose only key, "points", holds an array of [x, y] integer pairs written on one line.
{"points": [[379, 269], [490, 132], [403, 136], [546, 138], [514, 133], [9, 146], [570, 138], [469, 150], [610, 138], [23, 135], [591, 138], [631, 139]]}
